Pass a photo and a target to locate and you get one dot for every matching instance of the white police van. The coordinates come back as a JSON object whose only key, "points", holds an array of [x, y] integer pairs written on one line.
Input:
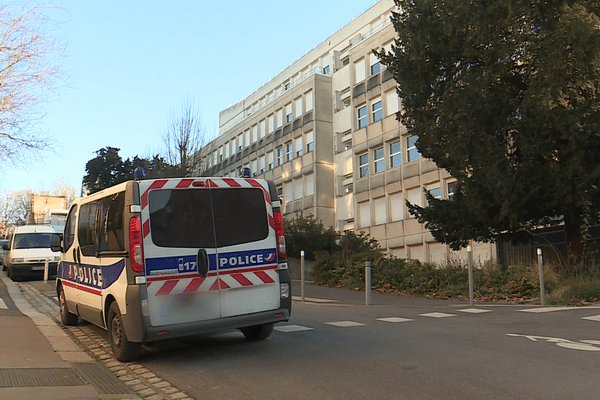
{"points": [[164, 258]]}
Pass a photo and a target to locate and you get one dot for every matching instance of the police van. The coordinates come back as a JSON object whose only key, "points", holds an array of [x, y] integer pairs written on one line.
{"points": [[157, 259]]}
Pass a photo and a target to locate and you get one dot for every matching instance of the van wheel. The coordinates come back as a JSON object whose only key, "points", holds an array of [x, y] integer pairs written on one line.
{"points": [[123, 349], [66, 317], [258, 332]]}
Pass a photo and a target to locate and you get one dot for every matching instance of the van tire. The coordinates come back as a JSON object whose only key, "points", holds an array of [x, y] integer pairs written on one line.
{"points": [[257, 332], [67, 318], [123, 349]]}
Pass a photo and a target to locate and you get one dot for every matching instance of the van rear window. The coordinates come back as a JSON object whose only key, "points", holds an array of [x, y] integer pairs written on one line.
{"points": [[205, 218]]}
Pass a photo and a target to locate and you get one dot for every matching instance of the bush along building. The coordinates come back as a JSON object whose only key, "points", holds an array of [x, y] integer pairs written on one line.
{"points": [[325, 131]]}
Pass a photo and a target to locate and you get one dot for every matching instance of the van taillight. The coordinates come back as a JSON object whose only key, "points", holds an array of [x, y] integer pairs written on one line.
{"points": [[136, 253], [280, 235]]}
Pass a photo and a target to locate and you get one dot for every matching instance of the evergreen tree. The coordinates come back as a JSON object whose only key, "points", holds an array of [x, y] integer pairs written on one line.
{"points": [[504, 95]]}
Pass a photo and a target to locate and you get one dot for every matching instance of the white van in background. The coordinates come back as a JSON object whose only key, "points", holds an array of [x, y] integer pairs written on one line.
{"points": [[164, 258], [27, 251]]}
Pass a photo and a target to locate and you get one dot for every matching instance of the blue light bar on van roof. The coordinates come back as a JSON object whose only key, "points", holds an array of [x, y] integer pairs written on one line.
{"points": [[139, 173], [245, 172]]}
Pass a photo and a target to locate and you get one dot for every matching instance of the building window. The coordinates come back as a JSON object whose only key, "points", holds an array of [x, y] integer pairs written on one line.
{"points": [[364, 212], [288, 113], [363, 165], [270, 160], [326, 70], [436, 192], [377, 111], [289, 151], [375, 68], [310, 145], [359, 70], [240, 142], [310, 185], [380, 210], [309, 100], [411, 148], [299, 147], [378, 160], [396, 207], [279, 155], [395, 154], [452, 189], [362, 117], [286, 86]]}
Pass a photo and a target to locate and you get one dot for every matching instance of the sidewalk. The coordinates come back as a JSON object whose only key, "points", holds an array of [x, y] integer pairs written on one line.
{"points": [[38, 360]]}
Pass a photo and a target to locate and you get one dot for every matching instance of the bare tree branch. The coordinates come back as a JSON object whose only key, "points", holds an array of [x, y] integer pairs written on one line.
{"points": [[183, 136], [29, 72]]}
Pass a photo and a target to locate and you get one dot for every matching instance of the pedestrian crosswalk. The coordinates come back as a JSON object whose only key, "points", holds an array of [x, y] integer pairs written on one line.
{"points": [[435, 315], [3, 305]]}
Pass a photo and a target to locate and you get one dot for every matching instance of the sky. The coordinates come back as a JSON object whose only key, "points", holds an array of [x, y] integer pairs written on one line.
{"points": [[129, 63]]}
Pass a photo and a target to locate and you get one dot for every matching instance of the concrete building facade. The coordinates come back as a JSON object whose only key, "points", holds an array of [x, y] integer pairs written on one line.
{"points": [[325, 131]]}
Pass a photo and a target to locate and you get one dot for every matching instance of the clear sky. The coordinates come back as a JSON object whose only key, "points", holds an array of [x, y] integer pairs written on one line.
{"points": [[130, 62]]}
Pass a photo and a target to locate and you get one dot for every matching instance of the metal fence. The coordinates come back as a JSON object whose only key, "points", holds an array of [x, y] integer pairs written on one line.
{"points": [[552, 241]]}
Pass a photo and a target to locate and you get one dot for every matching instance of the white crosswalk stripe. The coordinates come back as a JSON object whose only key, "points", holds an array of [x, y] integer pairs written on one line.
{"points": [[437, 315], [344, 324], [3, 305], [592, 318], [474, 310], [395, 319], [292, 328]]}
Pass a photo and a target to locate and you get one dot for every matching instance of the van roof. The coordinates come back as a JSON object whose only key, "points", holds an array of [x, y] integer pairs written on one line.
{"points": [[34, 229]]}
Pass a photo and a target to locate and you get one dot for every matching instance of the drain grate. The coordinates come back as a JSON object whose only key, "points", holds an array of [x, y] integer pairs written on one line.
{"points": [[35, 377], [102, 379]]}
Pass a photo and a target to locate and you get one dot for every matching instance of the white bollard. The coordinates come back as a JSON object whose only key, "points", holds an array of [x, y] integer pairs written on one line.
{"points": [[302, 274], [367, 283], [471, 289], [46, 267], [541, 264]]}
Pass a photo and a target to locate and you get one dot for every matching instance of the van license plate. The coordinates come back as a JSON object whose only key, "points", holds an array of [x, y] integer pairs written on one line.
{"points": [[37, 268]]}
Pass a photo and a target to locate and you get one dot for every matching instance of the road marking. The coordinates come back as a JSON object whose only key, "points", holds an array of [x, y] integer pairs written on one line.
{"points": [[344, 324], [437, 315], [592, 318], [584, 345], [591, 341], [394, 319], [3, 305], [292, 328], [312, 299], [547, 309], [474, 310]]}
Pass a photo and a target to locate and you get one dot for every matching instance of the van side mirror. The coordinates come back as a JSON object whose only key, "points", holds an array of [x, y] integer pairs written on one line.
{"points": [[55, 242]]}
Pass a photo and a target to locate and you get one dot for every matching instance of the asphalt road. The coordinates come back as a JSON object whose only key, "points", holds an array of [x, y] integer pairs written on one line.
{"points": [[396, 348]]}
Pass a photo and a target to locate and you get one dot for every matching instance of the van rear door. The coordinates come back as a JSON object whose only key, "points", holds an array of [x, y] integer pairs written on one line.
{"points": [[228, 221], [177, 228], [246, 246]]}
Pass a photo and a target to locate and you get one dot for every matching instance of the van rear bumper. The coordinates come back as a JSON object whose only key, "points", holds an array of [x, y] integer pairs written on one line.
{"points": [[154, 333]]}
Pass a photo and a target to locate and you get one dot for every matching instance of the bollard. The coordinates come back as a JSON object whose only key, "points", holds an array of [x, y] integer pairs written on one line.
{"points": [[471, 293], [541, 264], [302, 275], [46, 267], [367, 282]]}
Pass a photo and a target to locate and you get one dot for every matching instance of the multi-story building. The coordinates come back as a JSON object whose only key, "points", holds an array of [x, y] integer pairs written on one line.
{"points": [[325, 131]]}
